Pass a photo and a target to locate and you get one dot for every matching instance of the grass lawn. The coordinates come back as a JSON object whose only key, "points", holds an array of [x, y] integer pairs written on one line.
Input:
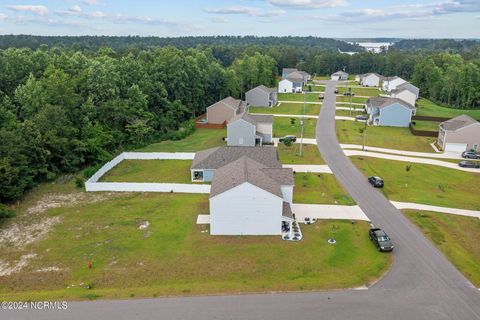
{"points": [[321, 188], [322, 77], [424, 183], [313, 88], [200, 139], [290, 155], [174, 171], [426, 125], [383, 137], [370, 92], [282, 127], [289, 108], [354, 99], [456, 236], [310, 97], [428, 108], [347, 113], [173, 257]]}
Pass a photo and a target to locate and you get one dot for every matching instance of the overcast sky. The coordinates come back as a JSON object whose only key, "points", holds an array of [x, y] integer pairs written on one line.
{"points": [[324, 18]]}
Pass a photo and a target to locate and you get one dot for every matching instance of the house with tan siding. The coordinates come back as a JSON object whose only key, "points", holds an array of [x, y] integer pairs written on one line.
{"points": [[459, 134], [224, 110]]}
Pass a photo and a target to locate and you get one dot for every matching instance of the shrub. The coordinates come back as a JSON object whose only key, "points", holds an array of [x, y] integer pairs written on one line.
{"points": [[6, 212], [79, 182], [90, 171]]}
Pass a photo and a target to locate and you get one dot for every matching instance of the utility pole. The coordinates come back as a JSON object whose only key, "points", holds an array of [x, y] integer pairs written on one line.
{"points": [[303, 121], [350, 93]]}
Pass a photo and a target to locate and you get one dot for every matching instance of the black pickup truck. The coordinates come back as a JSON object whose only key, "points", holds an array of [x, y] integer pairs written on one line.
{"points": [[380, 239]]}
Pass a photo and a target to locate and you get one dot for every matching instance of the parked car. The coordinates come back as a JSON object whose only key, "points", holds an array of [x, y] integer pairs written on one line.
{"points": [[361, 117], [349, 94], [320, 96], [470, 155], [290, 137], [380, 239], [375, 181], [469, 164], [336, 91]]}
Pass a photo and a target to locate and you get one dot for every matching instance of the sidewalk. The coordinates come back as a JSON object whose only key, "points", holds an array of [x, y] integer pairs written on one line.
{"points": [[445, 155], [326, 211], [426, 207], [309, 168]]}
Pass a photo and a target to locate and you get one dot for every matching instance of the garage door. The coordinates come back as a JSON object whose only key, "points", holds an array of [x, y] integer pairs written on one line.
{"points": [[456, 147]]}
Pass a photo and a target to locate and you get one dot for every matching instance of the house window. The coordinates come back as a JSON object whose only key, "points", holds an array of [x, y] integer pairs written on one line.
{"points": [[475, 147], [197, 175]]}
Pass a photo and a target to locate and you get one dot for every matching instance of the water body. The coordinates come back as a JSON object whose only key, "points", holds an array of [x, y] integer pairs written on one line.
{"points": [[375, 47]]}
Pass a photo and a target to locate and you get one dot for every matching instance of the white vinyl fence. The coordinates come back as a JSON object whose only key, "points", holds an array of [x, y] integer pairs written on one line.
{"points": [[92, 184]]}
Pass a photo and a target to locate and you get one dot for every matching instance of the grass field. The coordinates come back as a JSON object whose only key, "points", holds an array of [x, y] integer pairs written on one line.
{"points": [[289, 108], [456, 236], [313, 88], [428, 108], [347, 113], [369, 92], [426, 125], [425, 184], [283, 127], [199, 140], [310, 97], [319, 188], [290, 155], [172, 256], [383, 137], [169, 171], [354, 99]]}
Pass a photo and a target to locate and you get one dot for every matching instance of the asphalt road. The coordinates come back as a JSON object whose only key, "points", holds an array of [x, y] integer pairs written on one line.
{"points": [[421, 285]]}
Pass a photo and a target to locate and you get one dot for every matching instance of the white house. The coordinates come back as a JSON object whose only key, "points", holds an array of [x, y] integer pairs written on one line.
{"points": [[370, 79], [339, 75], [250, 130], [404, 95], [248, 198], [285, 86], [459, 134], [392, 83]]}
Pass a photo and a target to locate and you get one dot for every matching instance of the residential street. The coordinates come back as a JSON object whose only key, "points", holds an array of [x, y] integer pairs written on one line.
{"points": [[422, 283]]}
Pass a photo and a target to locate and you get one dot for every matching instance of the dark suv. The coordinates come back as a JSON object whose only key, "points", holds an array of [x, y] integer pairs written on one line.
{"points": [[470, 155], [380, 239], [291, 138], [375, 181]]}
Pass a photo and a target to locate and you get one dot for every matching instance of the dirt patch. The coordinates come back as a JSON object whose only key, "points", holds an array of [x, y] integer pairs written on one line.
{"points": [[19, 235], [57, 200], [7, 268]]}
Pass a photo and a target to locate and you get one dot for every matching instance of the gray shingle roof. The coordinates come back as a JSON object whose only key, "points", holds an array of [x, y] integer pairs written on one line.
{"points": [[288, 70], [284, 176], [338, 73], [218, 157], [240, 171], [382, 102], [253, 118], [236, 104], [458, 123], [295, 76], [376, 74], [266, 89]]}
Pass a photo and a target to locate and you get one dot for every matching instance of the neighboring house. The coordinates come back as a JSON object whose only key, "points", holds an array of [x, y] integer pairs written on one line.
{"points": [[249, 130], [385, 111], [410, 87], [306, 76], [224, 110], [459, 134], [298, 81], [370, 79], [249, 198], [392, 83], [285, 86], [287, 71], [262, 96], [405, 95], [207, 161], [339, 75]]}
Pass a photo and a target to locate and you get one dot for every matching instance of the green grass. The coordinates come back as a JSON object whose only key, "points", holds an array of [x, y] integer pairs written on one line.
{"points": [[456, 236], [426, 125], [322, 77], [170, 171], [369, 92], [314, 88], [354, 99], [173, 257], [347, 113], [424, 183], [383, 137], [428, 108], [310, 97], [291, 155], [200, 139], [282, 127], [289, 108], [320, 188]]}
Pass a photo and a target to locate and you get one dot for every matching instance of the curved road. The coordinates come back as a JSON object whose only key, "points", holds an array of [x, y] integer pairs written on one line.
{"points": [[421, 285]]}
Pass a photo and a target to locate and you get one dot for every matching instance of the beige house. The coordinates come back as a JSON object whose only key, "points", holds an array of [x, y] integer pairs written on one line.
{"points": [[459, 134], [224, 110]]}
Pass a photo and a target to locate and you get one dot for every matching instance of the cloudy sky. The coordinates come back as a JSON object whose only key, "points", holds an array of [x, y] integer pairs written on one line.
{"points": [[325, 18]]}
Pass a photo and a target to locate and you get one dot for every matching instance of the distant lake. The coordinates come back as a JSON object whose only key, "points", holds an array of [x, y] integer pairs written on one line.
{"points": [[374, 46]]}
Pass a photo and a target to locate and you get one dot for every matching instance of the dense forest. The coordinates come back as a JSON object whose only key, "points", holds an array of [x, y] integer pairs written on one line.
{"points": [[67, 105]]}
